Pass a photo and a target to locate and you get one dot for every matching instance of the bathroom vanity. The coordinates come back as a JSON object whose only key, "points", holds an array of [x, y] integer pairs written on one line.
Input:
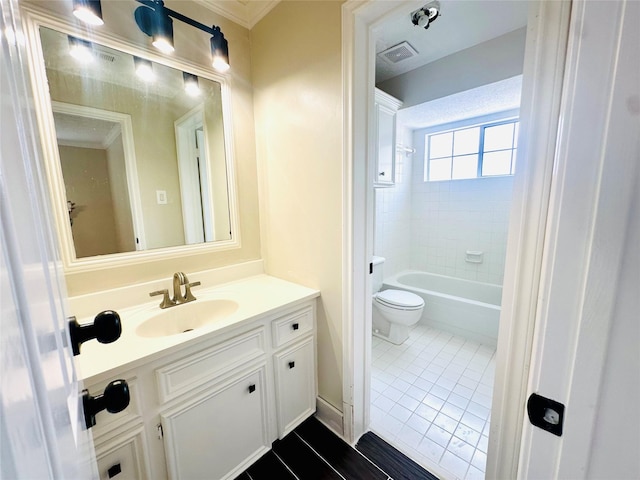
{"points": [[207, 402]]}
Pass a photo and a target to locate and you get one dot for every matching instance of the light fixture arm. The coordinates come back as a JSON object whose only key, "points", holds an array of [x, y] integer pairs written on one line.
{"points": [[153, 4]]}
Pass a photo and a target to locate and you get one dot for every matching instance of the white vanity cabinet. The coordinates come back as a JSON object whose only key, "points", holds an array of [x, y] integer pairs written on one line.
{"points": [[386, 110], [212, 408]]}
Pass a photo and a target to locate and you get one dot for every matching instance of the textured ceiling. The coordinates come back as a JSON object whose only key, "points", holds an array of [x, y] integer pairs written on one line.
{"points": [[462, 24]]}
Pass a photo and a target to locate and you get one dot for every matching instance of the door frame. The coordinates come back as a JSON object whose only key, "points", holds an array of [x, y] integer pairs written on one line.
{"points": [[547, 32], [123, 120]]}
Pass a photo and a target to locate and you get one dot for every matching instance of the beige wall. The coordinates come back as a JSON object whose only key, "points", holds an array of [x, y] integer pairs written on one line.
{"points": [[297, 78], [191, 46], [86, 178]]}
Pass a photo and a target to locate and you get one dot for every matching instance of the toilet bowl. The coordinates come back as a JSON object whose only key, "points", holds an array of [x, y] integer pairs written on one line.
{"points": [[394, 313]]}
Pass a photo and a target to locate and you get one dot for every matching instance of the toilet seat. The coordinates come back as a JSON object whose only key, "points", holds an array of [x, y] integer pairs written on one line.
{"points": [[399, 299]]}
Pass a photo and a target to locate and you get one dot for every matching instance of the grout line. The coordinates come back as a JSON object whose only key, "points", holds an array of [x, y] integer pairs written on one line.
{"points": [[285, 465], [318, 455]]}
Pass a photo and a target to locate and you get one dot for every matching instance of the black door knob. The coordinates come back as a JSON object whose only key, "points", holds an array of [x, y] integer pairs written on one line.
{"points": [[106, 328], [114, 399]]}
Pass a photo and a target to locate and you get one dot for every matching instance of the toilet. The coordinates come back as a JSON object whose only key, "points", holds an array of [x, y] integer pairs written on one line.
{"points": [[394, 311]]}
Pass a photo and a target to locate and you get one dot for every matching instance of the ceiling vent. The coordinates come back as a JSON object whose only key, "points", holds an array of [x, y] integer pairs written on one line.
{"points": [[398, 53]]}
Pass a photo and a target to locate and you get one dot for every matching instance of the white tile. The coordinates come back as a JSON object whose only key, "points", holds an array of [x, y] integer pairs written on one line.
{"points": [[430, 449], [463, 391], [400, 385], [416, 392], [377, 385], [467, 382], [476, 376], [409, 436], [400, 412], [483, 444], [474, 474], [445, 422], [445, 383], [472, 421], [461, 449], [468, 434], [484, 390], [452, 411], [429, 375], [479, 460], [418, 423], [423, 384], [408, 377], [440, 392], [415, 369], [439, 435], [433, 401], [394, 370], [383, 403], [454, 464], [458, 400], [388, 425], [478, 410], [483, 400], [426, 412], [392, 393], [408, 402]]}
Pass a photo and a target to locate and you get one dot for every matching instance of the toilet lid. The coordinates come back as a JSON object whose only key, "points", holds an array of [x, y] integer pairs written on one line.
{"points": [[400, 298]]}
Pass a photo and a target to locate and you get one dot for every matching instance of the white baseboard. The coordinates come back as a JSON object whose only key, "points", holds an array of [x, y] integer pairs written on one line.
{"points": [[330, 416]]}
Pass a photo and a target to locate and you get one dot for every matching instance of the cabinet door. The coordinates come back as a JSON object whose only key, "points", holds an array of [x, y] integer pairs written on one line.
{"points": [[296, 385], [220, 432], [386, 119]]}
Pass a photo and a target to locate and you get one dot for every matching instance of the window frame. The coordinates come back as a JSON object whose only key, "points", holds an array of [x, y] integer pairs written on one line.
{"points": [[483, 123]]}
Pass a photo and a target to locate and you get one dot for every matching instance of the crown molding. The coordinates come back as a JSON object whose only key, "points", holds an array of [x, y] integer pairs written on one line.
{"points": [[242, 12]]}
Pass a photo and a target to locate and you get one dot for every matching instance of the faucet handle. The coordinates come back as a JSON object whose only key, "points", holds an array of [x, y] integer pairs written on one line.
{"points": [[166, 301], [187, 294]]}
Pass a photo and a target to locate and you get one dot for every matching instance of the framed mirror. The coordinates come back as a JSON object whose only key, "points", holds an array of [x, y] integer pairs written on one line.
{"points": [[138, 152]]}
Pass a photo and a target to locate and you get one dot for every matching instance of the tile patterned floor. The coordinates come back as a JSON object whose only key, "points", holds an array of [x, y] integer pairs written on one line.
{"points": [[431, 399]]}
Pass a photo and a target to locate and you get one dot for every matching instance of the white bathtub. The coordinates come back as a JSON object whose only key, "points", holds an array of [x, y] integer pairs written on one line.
{"points": [[463, 307]]}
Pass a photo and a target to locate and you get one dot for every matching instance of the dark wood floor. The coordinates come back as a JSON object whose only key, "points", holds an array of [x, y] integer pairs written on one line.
{"points": [[313, 452]]}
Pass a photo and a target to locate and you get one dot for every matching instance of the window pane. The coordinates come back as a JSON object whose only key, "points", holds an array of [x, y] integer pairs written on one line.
{"points": [[466, 141], [465, 167], [515, 135], [498, 137], [496, 163], [440, 169], [440, 145]]}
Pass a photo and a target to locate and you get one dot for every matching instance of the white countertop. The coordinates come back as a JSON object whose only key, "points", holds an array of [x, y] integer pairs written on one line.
{"points": [[255, 296]]}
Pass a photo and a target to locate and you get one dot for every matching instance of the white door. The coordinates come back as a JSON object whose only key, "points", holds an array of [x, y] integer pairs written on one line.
{"points": [[585, 354], [42, 433]]}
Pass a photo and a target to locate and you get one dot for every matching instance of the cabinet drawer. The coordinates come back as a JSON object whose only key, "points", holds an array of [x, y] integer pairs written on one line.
{"points": [[123, 458], [221, 432], [292, 326], [179, 377], [295, 385]]}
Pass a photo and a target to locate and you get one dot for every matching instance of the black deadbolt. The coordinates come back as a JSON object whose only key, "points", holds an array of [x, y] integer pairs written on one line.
{"points": [[295, 326]]}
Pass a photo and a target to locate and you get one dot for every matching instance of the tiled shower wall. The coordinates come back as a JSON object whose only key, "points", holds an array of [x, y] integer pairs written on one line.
{"points": [[450, 218], [430, 226]]}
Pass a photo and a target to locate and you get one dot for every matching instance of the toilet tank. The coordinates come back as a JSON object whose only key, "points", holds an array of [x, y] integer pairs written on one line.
{"points": [[378, 274]]}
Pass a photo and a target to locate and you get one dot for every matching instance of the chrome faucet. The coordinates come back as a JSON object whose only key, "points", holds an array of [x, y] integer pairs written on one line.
{"points": [[179, 280]]}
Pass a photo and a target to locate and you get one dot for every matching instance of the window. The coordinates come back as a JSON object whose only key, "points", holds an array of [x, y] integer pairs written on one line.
{"points": [[480, 151]]}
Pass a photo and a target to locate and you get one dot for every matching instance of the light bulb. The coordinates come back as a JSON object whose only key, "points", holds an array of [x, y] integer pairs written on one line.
{"points": [[88, 16], [220, 64], [163, 45]]}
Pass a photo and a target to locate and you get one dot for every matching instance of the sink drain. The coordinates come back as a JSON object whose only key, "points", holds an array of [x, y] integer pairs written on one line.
{"points": [[187, 330]]}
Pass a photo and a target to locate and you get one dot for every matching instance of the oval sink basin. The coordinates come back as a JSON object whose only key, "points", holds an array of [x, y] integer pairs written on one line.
{"points": [[186, 317]]}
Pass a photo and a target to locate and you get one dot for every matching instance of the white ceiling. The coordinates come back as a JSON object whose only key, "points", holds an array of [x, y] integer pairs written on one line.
{"points": [[462, 24], [87, 132]]}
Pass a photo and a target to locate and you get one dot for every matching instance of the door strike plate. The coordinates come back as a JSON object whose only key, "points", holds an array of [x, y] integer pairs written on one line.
{"points": [[546, 413]]}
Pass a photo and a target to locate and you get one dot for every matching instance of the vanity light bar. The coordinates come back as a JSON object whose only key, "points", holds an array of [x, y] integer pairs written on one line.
{"points": [[191, 85], [155, 20]]}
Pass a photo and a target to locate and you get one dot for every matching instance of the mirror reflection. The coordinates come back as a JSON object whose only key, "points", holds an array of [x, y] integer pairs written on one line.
{"points": [[141, 149]]}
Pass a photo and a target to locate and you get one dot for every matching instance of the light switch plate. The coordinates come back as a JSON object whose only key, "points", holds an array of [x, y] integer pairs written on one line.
{"points": [[161, 197]]}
